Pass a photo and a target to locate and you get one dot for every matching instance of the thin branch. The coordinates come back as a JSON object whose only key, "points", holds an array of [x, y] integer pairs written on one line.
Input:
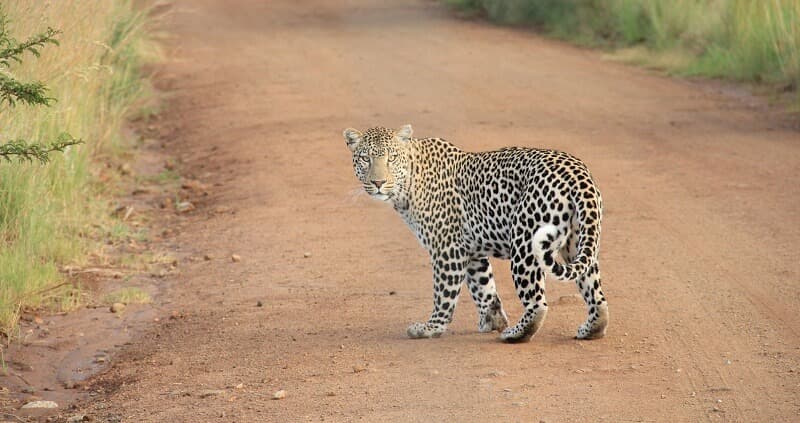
{"points": [[12, 91], [34, 151], [12, 49]]}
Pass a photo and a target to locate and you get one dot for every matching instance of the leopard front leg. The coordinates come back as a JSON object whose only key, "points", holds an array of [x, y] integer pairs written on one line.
{"points": [[448, 275], [480, 280]]}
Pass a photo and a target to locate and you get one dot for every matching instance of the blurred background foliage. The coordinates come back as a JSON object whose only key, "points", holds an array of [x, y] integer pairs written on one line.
{"points": [[744, 40]]}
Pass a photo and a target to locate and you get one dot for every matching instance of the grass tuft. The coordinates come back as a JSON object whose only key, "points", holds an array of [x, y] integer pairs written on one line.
{"points": [[129, 295]]}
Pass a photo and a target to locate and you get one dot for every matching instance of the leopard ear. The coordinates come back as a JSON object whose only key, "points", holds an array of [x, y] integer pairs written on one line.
{"points": [[352, 137], [404, 133]]}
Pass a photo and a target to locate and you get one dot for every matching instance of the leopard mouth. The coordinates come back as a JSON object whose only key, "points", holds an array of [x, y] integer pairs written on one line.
{"points": [[381, 196], [384, 193]]}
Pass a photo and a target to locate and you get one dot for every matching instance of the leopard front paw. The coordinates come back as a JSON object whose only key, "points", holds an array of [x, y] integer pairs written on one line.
{"points": [[495, 319], [425, 330], [517, 333], [528, 325]]}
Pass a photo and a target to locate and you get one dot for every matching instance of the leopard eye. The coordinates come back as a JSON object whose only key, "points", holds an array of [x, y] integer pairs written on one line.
{"points": [[392, 157], [364, 159]]}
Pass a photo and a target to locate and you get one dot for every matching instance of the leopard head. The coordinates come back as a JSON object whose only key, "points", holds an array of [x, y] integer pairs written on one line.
{"points": [[381, 159]]}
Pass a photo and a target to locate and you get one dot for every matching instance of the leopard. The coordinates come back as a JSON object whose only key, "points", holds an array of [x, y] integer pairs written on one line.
{"points": [[538, 208]]}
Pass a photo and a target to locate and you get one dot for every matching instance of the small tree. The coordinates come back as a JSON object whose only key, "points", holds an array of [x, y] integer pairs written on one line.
{"points": [[34, 93]]}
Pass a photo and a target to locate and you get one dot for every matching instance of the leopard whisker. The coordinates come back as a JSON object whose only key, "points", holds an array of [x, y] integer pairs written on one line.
{"points": [[356, 194]]}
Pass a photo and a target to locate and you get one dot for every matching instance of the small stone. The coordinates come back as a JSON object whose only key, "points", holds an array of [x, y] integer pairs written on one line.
{"points": [[28, 390], [663, 396], [117, 307], [194, 185], [125, 169], [330, 394], [278, 395], [727, 362], [184, 207], [210, 393], [506, 389], [222, 209], [236, 258], [306, 254], [392, 292], [496, 373], [70, 384], [259, 304], [118, 211], [240, 386], [358, 368], [169, 164], [208, 257], [40, 404], [79, 418]]}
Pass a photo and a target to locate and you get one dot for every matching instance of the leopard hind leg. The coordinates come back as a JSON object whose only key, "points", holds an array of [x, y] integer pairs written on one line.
{"points": [[591, 289], [529, 282]]}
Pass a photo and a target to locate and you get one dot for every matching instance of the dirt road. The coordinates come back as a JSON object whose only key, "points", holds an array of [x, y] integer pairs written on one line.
{"points": [[699, 249]]}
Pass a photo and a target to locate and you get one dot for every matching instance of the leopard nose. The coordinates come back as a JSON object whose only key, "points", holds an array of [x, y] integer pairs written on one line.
{"points": [[379, 183]]}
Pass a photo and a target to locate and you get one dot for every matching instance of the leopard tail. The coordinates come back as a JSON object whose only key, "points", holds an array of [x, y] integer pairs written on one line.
{"points": [[550, 239]]}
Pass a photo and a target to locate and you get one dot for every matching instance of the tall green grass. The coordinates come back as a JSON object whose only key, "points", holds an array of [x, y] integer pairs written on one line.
{"points": [[48, 213], [746, 40]]}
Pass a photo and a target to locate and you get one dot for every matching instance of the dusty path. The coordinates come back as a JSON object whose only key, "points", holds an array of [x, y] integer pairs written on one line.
{"points": [[699, 248]]}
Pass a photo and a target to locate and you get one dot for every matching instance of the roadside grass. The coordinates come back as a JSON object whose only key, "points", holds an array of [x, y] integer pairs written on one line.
{"points": [[128, 295], [55, 215], [742, 40]]}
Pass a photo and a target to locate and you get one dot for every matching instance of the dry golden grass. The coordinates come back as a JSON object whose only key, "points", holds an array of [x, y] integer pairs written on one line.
{"points": [[48, 212]]}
